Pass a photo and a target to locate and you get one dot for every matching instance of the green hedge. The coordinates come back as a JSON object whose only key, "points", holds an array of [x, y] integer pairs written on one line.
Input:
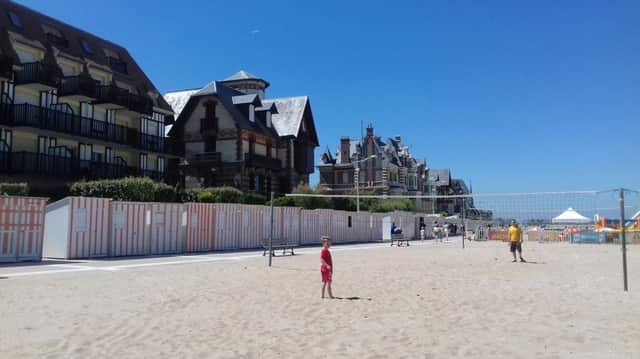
{"points": [[253, 198], [14, 189], [137, 189]]}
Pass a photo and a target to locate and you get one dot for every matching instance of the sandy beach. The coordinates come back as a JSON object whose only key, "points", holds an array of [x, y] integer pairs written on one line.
{"points": [[425, 301]]}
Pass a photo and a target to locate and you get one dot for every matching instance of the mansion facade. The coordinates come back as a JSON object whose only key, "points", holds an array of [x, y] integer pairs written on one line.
{"points": [[230, 134]]}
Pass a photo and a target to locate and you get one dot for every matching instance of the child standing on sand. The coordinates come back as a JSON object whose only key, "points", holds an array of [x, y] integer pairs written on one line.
{"points": [[326, 265]]}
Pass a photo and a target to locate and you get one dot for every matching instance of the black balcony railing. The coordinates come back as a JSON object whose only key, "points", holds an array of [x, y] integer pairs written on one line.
{"points": [[66, 122], [78, 85], [36, 72], [6, 66], [205, 158], [153, 143], [27, 163], [255, 160], [121, 97]]}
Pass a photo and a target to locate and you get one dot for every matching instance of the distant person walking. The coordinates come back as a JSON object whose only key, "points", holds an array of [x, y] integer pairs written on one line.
{"points": [[515, 240], [437, 231], [326, 265], [446, 231]]}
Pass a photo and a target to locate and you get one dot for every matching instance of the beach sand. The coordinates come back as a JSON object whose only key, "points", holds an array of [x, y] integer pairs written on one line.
{"points": [[424, 301]]}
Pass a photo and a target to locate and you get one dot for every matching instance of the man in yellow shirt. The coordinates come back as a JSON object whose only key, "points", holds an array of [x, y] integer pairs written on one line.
{"points": [[515, 239]]}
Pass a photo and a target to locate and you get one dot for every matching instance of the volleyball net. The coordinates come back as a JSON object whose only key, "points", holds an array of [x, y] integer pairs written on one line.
{"points": [[598, 211]]}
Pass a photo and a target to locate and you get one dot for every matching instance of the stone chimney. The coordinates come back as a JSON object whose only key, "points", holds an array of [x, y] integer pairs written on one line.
{"points": [[398, 139], [344, 150], [370, 130]]}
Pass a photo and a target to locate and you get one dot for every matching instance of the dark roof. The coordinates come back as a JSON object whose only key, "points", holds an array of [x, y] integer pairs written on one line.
{"points": [[440, 177], [327, 158], [242, 75], [253, 99], [226, 95], [32, 29]]}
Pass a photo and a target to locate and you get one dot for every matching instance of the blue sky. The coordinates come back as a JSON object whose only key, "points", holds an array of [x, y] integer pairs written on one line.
{"points": [[513, 96]]}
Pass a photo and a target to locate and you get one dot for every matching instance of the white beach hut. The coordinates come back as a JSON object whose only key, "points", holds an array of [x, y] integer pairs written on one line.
{"points": [[570, 216]]}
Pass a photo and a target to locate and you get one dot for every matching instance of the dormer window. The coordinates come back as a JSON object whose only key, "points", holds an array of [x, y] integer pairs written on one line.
{"points": [[15, 20], [86, 47], [54, 35], [252, 113], [115, 63]]}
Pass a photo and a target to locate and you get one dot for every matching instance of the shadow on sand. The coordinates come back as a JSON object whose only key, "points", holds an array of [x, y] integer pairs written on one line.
{"points": [[352, 298]]}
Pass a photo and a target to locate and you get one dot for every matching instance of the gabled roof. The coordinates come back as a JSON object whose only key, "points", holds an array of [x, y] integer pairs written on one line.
{"points": [[327, 158], [440, 177], [226, 96], [178, 99], [246, 99], [291, 111]]}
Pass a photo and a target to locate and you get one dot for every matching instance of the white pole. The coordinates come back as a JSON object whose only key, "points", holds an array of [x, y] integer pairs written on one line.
{"points": [[357, 189]]}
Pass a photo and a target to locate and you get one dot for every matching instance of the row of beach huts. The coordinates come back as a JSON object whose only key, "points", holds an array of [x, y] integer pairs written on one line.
{"points": [[84, 227]]}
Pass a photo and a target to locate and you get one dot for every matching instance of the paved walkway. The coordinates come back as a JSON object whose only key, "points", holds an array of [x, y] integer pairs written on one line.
{"points": [[52, 266]]}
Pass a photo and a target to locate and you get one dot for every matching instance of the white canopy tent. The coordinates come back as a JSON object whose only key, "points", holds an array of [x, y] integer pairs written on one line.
{"points": [[570, 216]]}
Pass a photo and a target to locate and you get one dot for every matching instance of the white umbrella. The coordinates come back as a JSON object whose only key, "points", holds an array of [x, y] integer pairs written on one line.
{"points": [[570, 216]]}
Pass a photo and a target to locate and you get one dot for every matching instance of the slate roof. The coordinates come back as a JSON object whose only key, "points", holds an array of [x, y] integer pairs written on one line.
{"points": [[70, 46], [226, 96], [286, 116], [440, 177], [243, 75]]}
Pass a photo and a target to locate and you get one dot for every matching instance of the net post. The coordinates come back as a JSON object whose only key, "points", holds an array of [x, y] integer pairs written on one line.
{"points": [[624, 241], [271, 232], [464, 227]]}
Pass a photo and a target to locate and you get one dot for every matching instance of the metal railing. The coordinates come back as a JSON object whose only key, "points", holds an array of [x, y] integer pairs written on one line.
{"points": [[78, 85], [35, 72], [121, 97], [255, 160], [71, 167], [67, 122]]}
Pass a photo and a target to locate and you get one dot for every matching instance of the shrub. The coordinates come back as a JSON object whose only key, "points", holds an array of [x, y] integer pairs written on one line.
{"points": [[14, 189], [226, 194], [284, 202], [126, 189], [253, 198], [393, 204], [311, 202], [189, 195], [206, 197]]}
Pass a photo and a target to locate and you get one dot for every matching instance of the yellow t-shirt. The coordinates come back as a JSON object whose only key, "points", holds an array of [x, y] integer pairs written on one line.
{"points": [[515, 234]]}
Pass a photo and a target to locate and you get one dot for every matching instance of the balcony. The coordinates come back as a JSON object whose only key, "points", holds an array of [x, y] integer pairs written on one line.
{"points": [[65, 122], [114, 97], [254, 160], [58, 166], [6, 67], [153, 143], [37, 76], [208, 159], [71, 168], [80, 88]]}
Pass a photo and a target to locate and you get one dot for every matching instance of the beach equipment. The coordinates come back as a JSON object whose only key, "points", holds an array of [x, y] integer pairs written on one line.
{"points": [[570, 216], [21, 228]]}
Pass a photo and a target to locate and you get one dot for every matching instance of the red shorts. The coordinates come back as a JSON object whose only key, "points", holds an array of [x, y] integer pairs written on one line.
{"points": [[326, 276]]}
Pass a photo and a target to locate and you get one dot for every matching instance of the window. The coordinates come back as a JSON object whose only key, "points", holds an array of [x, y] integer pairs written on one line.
{"points": [[349, 220], [160, 164], [5, 140], [54, 35], [86, 47], [85, 152], [112, 54], [108, 155], [15, 20], [45, 144], [144, 161], [47, 99], [345, 178]]}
